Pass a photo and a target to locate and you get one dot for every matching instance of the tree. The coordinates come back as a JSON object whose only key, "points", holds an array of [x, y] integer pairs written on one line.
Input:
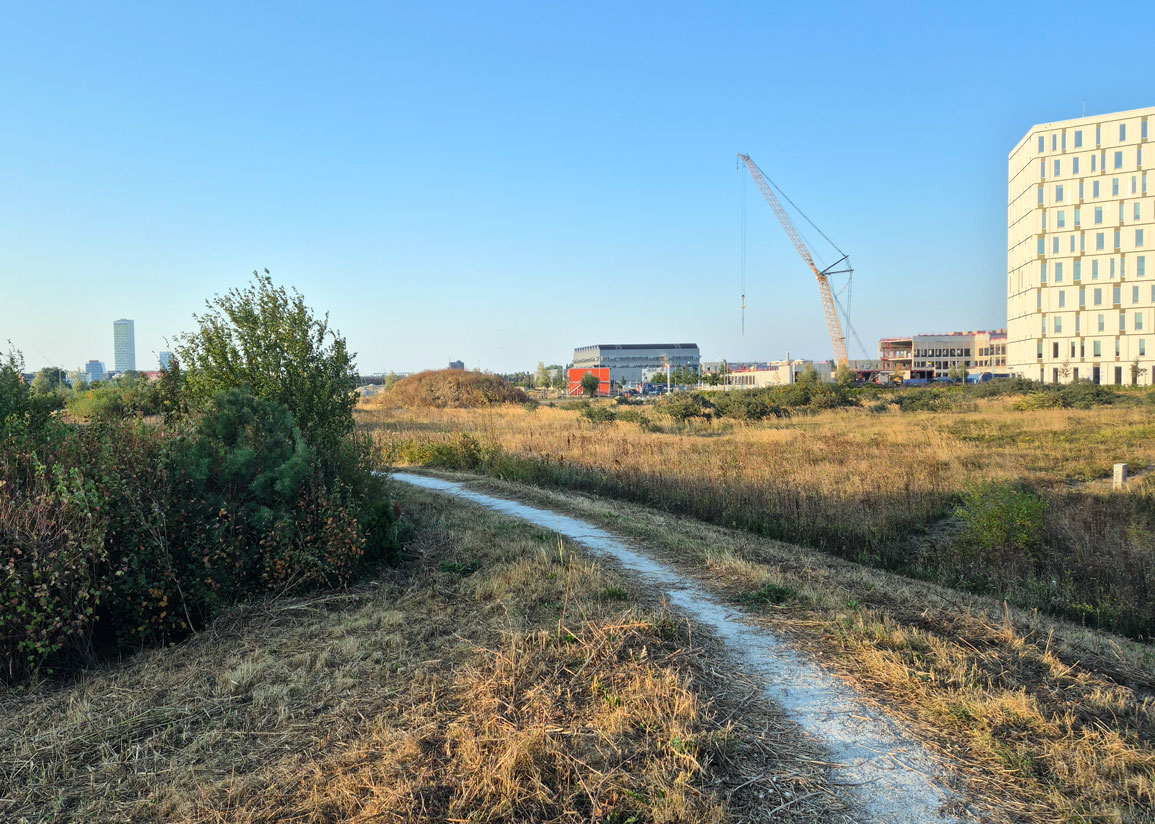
{"points": [[50, 380], [958, 372], [266, 338], [559, 380], [541, 377], [391, 379], [844, 375], [590, 383], [1137, 371]]}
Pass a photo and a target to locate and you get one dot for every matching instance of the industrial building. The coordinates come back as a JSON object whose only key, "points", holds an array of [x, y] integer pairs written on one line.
{"points": [[1080, 297], [630, 363], [933, 356]]}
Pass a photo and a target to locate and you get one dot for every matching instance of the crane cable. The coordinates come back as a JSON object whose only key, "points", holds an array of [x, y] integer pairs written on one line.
{"points": [[742, 210]]}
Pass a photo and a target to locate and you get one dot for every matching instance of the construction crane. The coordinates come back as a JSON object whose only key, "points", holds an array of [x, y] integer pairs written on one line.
{"points": [[823, 275]]}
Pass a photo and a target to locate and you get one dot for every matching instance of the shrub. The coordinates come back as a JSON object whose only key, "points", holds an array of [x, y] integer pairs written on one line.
{"points": [[597, 414], [746, 405], [265, 338], [1002, 524], [683, 406]]}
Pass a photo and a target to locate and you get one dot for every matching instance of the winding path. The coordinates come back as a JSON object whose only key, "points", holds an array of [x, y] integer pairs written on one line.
{"points": [[888, 775]]}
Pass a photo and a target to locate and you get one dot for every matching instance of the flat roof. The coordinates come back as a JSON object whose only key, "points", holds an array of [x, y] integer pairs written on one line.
{"points": [[640, 346]]}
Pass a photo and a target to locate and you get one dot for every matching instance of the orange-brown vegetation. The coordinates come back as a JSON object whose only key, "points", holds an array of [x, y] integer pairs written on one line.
{"points": [[448, 389]]}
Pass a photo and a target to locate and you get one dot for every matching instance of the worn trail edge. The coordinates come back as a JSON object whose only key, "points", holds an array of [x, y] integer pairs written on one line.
{"points": [[889, 776]]}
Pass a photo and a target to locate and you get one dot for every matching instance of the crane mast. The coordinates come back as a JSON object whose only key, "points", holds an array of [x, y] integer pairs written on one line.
{"points": [[832, 322]]}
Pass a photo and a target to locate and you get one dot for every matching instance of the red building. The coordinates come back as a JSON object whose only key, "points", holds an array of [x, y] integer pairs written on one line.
{"points": [[602, 373]]}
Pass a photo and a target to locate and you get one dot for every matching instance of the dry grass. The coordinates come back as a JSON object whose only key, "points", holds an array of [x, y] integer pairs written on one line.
{"points": [[496, 676], [1048, 721], [871, 487]]}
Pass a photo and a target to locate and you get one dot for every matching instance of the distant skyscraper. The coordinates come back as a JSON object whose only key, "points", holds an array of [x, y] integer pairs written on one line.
{"points": [[165, 359], [124, 343], [94, 371]]}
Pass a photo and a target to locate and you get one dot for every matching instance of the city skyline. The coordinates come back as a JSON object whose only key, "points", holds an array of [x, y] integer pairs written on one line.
{"points": [[514, 184]]}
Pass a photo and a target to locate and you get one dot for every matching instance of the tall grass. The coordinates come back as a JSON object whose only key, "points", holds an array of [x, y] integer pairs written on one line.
{"points": [[882, 489]]}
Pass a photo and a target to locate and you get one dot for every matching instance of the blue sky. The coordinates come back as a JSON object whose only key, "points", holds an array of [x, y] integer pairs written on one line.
{"points": [[500, 183]]}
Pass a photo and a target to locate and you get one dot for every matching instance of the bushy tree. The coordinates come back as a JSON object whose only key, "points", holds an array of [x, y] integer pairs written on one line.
{"points": [[266, 338], [590, 383], [50, 380]]}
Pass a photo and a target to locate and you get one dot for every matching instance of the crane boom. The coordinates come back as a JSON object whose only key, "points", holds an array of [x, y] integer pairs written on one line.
{"points": [[832, 322]]}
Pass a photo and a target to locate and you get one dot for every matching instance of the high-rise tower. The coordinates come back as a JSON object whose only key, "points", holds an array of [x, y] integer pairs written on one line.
{"points": [[124, 344]]}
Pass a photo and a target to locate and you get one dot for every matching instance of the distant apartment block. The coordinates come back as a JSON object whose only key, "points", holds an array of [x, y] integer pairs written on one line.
{"points": [[933, 356], [456, 364], [629, 363], [1080, 295], [124, 345], [94, 370], [164, 359]]}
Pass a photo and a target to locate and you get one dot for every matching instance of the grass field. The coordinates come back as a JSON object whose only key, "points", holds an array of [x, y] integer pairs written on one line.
{"points": [[882, 488], [495, 675]]}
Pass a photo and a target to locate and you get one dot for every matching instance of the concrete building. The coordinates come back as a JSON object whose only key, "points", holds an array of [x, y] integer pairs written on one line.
{"points": [[1080, 295], [164, 359], [933, 356], [778, 373], [629, 362], [456, 364], [124, 345], [94, 370]]}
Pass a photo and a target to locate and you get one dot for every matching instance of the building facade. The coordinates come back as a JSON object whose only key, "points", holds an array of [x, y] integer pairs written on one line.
{"points": [[124, 345], [630, 362], [94, 371], [164, 359], [1080, 293], [934, 356]]}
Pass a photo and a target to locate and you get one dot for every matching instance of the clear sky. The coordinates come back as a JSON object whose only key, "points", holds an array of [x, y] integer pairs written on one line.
{"points": [[499, 183]]}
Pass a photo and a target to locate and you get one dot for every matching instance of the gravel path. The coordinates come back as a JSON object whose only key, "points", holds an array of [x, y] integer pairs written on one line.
{"points": [[887, 775]]}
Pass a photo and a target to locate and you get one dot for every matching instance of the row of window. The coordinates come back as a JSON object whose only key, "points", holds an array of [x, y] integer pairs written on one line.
{"points": [[1138, 187], [1101, 323], [942, 353], [1059, 139], [1096, 296], [1077, 215], [1098, 163], [1081, 348], [1100, 243]]}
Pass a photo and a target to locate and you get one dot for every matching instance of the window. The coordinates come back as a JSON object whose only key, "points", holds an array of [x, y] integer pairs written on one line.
{"points": [[1043, 169], [1058, 194], [1042, 245], [1054, 142], [1082, 242], [1076, 332], [1122, 132], [1081, 189], [1082, 297], [1062, 219], [1044, 324], [1040, 195], [1116, 293], [1074, 165], [1094, 190], [1079, 135], [1058, 166], [1117, 237], [1063, 141], [1093, 162], [1042, 146], [1094, 270], [1112, 265], [1115, 186], [1118, 160], [1140, 265], [1142, 346], [1142, 129], [1072, 244], [1098, 215], [1038, 298], [1122, 321], [1139, 156], [1055, 245], [1138, 321], [1134, 294], [1062, 299], [1098, 135], [1098, 295], [1040, 350], [1099, 241], [1136, 210], [1058, 330], [1132, 184], [1144, 181], [1117, 368], [1044, 225], [1043, 272], [1138, 238], [1097, 348], [1059, 271], [1078, 273]]}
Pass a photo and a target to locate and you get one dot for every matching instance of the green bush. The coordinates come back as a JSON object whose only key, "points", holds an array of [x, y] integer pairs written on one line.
{"points": [[682, 406], [597, 413], [1002, 524]]}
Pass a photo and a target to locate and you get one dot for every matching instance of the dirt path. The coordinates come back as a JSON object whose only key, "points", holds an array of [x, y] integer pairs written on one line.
{"points": [[886, 774]]}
